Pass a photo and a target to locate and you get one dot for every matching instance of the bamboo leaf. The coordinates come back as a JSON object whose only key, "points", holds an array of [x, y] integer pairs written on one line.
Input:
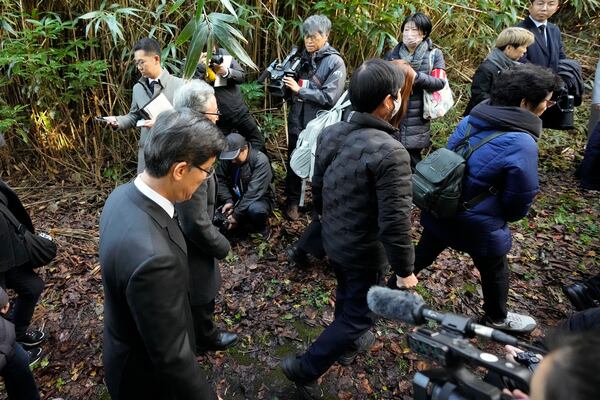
{"points": [[229, 7], [196, 47], [234, 48], [186, 33], [90, 15], [199, 9], [175, 7]]}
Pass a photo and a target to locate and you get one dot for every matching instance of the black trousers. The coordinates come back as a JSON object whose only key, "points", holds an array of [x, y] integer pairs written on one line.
{"points": [[352, 319], [415, 157], [310, 241], [29, 287], [493, 271], [293, 184], [257, 215], [19, 381], [246, 126], [204, 324]]}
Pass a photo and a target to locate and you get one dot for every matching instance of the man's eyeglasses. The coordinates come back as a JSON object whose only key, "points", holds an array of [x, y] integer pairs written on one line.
{"points": [[209, 173], [217, 113]]}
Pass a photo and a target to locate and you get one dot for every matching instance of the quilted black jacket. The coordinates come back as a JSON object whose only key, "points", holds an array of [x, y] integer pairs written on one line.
{"points": [[367, 194]]}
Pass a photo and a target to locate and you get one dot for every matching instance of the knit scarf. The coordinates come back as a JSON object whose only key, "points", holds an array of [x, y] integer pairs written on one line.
{"points": [[499, 59], [415, 59]]}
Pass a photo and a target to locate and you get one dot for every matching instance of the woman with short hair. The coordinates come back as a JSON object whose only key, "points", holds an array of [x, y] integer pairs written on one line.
{"points": [[417, 49], [511, 45]]}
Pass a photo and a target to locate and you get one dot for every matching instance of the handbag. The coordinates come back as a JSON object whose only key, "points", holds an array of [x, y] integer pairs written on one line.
{"points": [[436, 104], [40, 248]]}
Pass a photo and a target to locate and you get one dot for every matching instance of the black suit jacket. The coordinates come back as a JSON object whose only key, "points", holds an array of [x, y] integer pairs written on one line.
{"points": [[147, 319], [540, 54], [204, 241], [12, 251]]}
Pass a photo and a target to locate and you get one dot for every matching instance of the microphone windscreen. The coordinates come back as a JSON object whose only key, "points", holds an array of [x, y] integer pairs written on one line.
{"points": [[399, 305]]}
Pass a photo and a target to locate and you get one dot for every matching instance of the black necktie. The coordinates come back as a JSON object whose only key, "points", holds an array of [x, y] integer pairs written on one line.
{"points": [[153, 84], [542, 29]]}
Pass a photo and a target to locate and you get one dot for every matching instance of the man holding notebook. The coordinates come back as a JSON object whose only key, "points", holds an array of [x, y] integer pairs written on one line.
{"points": [[154, 81]]}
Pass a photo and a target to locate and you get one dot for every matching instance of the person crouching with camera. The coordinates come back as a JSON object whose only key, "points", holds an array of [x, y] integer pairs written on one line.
{"points": [[319, 86], [245, 189]]}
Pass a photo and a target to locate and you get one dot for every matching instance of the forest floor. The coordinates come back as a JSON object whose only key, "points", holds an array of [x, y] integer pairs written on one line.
{"points": [[278, 309]]}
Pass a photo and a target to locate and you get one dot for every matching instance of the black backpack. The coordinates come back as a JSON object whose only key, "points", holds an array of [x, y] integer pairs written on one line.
{"points": [[438, 178]]}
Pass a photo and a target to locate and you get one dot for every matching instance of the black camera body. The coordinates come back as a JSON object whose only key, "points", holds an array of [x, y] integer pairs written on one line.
{"points": [[561, 115], [216, 59], [220, 221], [528, 359], [290, 66]]}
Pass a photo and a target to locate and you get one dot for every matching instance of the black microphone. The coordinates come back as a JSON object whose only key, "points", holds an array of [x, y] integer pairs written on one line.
{"points": [[410, 308]]}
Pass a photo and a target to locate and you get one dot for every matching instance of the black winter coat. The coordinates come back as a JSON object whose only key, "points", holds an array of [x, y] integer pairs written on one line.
{"points": [[12, 250], [482, 84], [414, 129], [255, 177], [7, 341], [367, 195]]}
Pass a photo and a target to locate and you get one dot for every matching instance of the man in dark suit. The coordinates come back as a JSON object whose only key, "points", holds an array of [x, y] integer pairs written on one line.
{"points": [[204, 241], [154, 81], [547, 48], [148, 335]]}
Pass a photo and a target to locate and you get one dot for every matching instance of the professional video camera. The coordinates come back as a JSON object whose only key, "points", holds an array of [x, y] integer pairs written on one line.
{"points": [[561, 115], [449, 347], [278, 70], [216, 59]]}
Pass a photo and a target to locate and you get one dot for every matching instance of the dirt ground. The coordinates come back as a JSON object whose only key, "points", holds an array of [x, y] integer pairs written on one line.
{"points": [[278, 309]]}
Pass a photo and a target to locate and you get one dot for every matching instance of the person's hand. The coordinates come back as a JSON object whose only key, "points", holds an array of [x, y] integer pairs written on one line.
{"points": [[511, 352], [227, 209], [516, 394], [406, 283], [292, 84], [220, 69], [596, 106], [112, 121], [149, 123], [233, 223]]}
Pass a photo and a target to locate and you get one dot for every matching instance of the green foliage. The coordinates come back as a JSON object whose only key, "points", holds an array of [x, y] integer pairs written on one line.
{"points": [[110, 17]]}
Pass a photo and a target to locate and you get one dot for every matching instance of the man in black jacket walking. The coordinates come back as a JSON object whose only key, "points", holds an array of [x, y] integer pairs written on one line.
{"points": [[245, 189], [366, 200]]}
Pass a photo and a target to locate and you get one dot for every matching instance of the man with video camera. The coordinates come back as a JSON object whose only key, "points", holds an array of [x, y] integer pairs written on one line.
{"points": [[320, 84]]}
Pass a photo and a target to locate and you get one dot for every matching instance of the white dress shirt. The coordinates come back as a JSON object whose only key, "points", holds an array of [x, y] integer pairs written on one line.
{"points": [[150, 193]]}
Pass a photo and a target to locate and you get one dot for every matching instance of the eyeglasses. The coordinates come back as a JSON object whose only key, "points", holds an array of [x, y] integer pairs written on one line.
{"points": [[550, 103], [217, 113], [208, 173]]}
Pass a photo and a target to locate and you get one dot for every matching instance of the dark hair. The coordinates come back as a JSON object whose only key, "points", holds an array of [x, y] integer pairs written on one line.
{"points": [[422, 22], [149, 45], [572, 375], [372, 82], [181, 135], [526, 81]]}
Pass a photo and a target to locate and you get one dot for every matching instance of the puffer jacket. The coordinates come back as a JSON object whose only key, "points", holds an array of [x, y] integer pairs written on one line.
{"points": [[509, 164], [7, 341], [414, 129], [325, 71], [367, 196], [255, 181]]}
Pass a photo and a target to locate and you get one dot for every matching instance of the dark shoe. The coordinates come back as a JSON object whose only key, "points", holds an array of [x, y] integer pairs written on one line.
{"points": [[31, 338], [291, 211], [513, 322], [579, 296], [308, 390], [362, 344], [35, 355], [223, 341], [296, 257]]}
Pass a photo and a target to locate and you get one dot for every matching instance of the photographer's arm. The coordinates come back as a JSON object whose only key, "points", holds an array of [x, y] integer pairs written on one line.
{"points": [[328, 93]]}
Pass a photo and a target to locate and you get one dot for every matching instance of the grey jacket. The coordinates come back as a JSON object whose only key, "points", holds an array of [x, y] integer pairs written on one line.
{"points": [[414, 129], [204, 242], [142, 93], [255, 177], [325, 71]]}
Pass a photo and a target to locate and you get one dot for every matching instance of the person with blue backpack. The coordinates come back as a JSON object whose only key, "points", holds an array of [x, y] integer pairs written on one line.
{"points": [[506, 169]]}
